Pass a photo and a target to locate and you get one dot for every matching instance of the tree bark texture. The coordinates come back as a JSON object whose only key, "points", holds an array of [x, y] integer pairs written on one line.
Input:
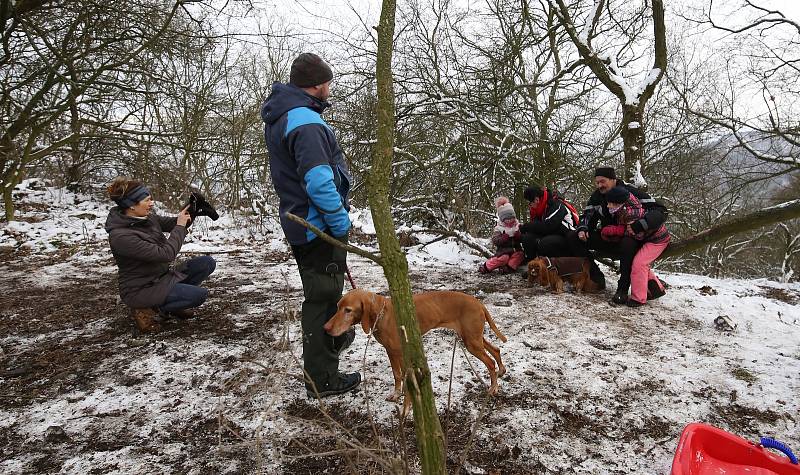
{"points": [[632, 137], [417, 380], [632, 107]]}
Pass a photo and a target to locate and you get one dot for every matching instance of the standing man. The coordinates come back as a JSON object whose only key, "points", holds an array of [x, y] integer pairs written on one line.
{"points": [[588, 236], [312, 181]]}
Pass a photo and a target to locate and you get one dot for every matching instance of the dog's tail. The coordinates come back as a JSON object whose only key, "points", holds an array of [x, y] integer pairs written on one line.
{"points": [[494, 328]]}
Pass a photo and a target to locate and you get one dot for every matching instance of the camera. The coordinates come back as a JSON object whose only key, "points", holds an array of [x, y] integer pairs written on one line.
{"points": [[198, 206]]}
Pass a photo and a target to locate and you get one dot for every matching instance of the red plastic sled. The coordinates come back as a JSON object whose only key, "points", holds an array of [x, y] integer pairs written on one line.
{"points": [[706, 450]]}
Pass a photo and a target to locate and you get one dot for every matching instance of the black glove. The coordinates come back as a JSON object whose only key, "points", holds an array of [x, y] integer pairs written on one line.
{"points": [[198, 206]]}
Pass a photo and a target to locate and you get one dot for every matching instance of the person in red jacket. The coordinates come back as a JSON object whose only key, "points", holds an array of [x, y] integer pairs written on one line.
{"points": [[551, 218], [627, 210], [506, 238]]}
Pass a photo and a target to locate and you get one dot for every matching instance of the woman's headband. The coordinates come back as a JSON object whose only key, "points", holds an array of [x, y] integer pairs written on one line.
{"points": [[136, 195]]}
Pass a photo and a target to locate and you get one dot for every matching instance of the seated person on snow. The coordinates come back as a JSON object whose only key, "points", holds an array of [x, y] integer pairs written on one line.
{"points": [[587, 237], [148, 282], [552, 217], [506, 238], [626, 211]]}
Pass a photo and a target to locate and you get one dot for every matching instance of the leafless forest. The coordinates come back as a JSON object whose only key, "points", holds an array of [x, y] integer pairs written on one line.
{"points": [[491, 95], [695, 101]]}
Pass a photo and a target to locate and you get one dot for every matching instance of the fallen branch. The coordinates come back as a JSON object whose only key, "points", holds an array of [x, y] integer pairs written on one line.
{"points": [[335, 242], [229, 251], [774, 214], [463, 237]]}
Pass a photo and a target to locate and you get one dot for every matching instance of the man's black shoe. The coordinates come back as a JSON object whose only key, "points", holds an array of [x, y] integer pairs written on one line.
{"points": [[341, 383], [654, 291], [633, 303], [619, 299], [344, 340], [597, 276]]}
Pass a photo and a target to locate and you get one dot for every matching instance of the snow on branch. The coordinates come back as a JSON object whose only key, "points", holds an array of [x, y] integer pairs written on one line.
{"points": [[591, 21]]}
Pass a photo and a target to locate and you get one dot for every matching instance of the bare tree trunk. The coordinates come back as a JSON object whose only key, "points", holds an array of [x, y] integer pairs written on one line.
{"points": [[632, 97], [417, 379], [8, 202], [632, 138], [8, 177]]}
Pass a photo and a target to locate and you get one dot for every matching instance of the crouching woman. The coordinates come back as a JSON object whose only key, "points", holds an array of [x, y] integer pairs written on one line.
{"points": [[149, 282]]}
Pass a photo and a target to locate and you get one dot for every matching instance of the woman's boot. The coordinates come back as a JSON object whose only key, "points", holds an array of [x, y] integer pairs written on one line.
{"points": [[143, 317]]}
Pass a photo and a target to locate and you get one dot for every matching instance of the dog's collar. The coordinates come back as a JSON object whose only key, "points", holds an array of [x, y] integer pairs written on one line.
{"points": [[378, 317]]}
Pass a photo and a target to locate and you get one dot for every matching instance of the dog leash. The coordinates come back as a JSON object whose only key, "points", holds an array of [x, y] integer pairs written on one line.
{"points": [[349, 277]]}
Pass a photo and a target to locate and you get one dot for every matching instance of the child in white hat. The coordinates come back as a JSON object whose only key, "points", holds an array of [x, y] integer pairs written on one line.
{"points": [[506, 238]]}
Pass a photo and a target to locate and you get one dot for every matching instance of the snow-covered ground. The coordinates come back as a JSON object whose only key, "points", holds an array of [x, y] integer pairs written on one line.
{"points": [[591, 388]]}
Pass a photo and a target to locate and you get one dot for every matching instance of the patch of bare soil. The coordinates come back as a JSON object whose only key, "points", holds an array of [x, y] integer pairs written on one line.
{"points": [[743, 419], [707, 290], [792, 297], [374, 448], [783, 295], [71, 330], [54, 366]]}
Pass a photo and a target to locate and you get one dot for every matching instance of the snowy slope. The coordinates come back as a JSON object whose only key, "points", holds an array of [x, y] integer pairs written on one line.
{"points": [[591, 388]]}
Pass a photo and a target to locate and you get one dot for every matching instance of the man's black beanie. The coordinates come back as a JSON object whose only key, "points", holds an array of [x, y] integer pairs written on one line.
{"points": [[607, 172], [309, 70]]}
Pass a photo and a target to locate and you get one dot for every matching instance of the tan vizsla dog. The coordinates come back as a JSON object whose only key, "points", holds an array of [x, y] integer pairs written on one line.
{"points": [[462, 313]]}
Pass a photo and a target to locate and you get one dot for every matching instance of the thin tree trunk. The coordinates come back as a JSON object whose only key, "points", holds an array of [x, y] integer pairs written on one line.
{"points": [[417, 380], [632, 138], [8, 202], [7, 177]]}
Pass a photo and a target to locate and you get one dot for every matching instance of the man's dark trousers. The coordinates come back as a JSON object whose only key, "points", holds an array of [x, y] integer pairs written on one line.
{"points": [[552, 245], [322, 291], [624, 250]]}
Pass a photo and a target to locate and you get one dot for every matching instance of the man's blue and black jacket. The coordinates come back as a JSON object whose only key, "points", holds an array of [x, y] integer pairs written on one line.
{"points": [[306, 164]]}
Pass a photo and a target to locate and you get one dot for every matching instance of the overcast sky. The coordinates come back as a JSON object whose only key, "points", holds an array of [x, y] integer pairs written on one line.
{"points": [[318, 22]]}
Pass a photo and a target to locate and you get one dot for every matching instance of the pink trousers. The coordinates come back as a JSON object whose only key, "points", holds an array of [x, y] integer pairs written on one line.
{"points": [[513, 261], [641, 271]]}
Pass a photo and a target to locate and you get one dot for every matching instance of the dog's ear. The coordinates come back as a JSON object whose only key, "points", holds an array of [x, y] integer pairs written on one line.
{"points": [[544, 274], [587, 266], [587, 284], [579, 281]]}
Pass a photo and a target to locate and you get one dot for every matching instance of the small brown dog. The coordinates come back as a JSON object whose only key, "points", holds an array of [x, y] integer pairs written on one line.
{"points": [[552, 271], [462, 313]]}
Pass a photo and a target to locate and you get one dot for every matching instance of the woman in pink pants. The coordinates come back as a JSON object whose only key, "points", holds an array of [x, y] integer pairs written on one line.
{"points": [[627, 210]]}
